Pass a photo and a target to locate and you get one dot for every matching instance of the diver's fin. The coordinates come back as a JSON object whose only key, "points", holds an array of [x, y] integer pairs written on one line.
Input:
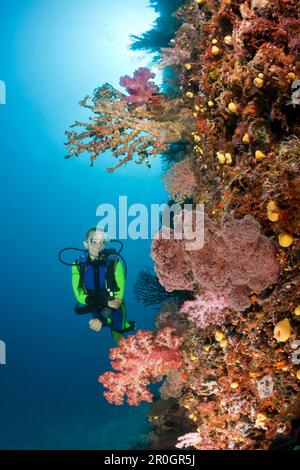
{"points": [[130, 325]]}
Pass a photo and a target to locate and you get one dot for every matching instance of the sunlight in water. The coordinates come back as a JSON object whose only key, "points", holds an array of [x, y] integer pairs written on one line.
{"points": [[66, 49]]}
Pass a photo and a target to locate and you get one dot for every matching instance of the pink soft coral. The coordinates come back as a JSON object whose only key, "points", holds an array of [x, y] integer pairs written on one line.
{"points": [[206, 309], [192, 439], [140, 359], [139, 88]]}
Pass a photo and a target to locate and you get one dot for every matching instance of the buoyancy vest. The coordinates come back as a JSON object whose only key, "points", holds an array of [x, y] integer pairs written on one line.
{"points": [[98, 276]]}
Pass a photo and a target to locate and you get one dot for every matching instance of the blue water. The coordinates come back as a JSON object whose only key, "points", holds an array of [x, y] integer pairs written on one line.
{"points": [[53, 52]]}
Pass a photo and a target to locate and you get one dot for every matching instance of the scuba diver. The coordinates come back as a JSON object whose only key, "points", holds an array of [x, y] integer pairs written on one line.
{"points": [[98, 281]]}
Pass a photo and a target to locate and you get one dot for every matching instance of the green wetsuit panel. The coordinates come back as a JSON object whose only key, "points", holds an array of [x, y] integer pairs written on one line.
{"points": [[120, 280], [80, 295]]}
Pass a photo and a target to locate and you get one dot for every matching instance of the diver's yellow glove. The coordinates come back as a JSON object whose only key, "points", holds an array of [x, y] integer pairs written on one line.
{"points": [[95, 324]]}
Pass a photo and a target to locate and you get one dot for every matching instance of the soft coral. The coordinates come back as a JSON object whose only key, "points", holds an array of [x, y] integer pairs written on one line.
{"points": [[139, 88], [140, 359]]}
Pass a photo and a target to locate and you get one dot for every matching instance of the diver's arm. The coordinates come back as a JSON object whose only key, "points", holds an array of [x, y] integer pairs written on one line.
{"points": [[120, 280], [116, 303], [80, 295]]}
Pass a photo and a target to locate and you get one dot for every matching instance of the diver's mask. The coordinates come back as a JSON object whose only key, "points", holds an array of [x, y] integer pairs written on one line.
{"points": [[98, 240]]}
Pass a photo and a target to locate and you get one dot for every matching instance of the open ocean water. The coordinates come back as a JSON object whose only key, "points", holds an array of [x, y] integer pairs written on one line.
{"points": [[52, 54]]}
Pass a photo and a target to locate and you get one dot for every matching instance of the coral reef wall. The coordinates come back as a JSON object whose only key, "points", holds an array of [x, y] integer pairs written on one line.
{"points": [[230, 140], [241, 349]]}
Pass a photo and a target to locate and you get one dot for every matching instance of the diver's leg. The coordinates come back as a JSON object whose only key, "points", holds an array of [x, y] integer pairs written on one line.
{"points": [[120, 325], [128, 325], [119, 320]]}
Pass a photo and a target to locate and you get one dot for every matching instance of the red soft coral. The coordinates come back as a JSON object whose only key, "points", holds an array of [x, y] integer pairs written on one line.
{"points": [[140, 359]]}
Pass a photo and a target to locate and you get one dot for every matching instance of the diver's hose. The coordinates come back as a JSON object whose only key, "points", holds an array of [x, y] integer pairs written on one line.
{"points": [[121, 243], [86, 251], [66, 249]]}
